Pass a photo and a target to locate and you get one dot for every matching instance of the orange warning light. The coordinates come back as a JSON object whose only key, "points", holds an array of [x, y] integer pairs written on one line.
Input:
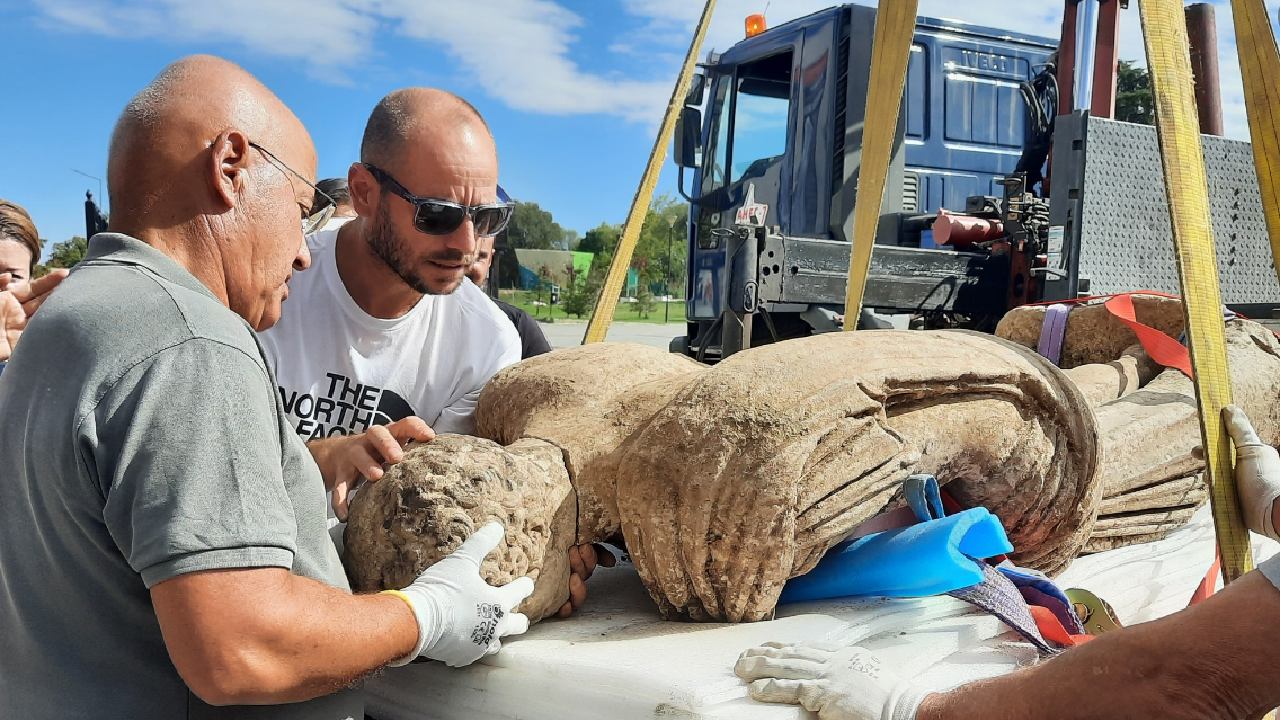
{"points": [[755, 25]]}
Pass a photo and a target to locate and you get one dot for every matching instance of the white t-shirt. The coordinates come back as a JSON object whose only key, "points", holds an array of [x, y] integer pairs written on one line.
{"points": [[341, 370]]}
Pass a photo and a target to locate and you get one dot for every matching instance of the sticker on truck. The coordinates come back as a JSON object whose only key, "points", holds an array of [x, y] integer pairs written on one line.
{"points": [[752, 213]]}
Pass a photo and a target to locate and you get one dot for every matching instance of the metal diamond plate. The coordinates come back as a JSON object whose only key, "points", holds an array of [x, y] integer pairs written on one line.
{"points": [[1125, 236]]}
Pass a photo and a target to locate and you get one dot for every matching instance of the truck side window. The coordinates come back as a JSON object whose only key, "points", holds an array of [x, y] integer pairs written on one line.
{"points": [[761, 114], [714, 177]]}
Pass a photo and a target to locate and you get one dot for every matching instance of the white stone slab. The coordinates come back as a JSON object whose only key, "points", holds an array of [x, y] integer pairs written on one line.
{"points": [[617, 659]]}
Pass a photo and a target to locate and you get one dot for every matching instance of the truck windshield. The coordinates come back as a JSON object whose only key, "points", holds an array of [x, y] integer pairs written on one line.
{"points": [[756, 116]]}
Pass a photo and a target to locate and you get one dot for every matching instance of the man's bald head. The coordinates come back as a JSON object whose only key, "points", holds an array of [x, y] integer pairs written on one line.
{"points": [[412, 113], [180, 112], [207, 165]]}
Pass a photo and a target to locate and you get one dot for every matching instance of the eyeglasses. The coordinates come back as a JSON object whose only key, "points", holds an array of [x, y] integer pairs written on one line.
{"points": [[315, 221], [441, 217]]}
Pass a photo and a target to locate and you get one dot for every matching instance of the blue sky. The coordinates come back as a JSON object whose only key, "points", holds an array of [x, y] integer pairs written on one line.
{"points": [[573, 89]]}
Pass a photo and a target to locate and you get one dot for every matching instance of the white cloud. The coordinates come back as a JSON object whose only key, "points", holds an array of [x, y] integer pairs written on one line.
{"points": [[519, 51], [522, 51], [328, 33], [680, 11]]}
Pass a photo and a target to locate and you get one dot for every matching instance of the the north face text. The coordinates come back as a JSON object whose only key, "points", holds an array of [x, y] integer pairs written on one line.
{"points": [[345, 408]]}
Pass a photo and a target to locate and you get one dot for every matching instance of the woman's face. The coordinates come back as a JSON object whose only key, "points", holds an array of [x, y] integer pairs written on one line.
{"points": [[15, 259]]}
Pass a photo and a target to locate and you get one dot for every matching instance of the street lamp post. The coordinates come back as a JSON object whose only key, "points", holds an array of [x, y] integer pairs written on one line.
{"points": [[666, 278]]}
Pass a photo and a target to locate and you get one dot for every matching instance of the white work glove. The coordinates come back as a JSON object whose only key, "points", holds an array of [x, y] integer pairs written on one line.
{"points": [[835, 681], [1257, 472], [462, 618]]}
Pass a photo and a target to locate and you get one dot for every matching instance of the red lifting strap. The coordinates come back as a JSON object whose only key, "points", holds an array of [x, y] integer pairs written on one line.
{"points": [[1169, 353], [1162, 348], [1210, 582], [1051, 628]]}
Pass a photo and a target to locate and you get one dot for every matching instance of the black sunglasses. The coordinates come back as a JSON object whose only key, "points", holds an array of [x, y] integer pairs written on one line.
{"points": [[441, 217]]}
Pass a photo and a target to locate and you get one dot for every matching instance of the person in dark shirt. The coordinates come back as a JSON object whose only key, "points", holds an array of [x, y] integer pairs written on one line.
{"points": [[532, 341]]}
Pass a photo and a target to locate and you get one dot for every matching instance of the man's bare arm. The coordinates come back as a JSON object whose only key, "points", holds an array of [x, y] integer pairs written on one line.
{"points": [[1219, 659], [264, 635], [346, 461]]}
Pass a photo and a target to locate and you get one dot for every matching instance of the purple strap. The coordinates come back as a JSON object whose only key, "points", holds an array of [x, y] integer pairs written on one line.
{"points": [[997, 595], [1070, 621], [1052, 331]]}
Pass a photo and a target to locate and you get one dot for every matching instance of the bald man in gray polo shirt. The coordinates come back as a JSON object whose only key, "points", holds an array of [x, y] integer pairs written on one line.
{"points": [[163, 544]]}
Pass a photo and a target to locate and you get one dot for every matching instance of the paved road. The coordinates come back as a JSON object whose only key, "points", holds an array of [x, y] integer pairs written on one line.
{"points": [[563, 333]]}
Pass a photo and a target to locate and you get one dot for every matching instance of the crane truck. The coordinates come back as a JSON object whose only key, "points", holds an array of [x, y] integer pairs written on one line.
{"points": [[768, 148]]}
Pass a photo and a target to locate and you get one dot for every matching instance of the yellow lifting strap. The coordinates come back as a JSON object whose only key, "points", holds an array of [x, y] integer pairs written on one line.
{"points": [[607, 301], [1186, 186], [1259, 63], [890, 51]]}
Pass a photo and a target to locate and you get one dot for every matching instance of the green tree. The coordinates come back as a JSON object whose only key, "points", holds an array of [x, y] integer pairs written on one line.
{"points": [[40, 270], [579, 295], [600, 242], [67, 253], [533, 228], [579, 299], [641, 266], [1134, 100], [600, 265], [603, 238], [665, 225], [644, 301]]}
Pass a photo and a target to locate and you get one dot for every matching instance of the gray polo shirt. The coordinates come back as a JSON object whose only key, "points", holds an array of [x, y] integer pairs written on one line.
{"points": [[142, 438]]}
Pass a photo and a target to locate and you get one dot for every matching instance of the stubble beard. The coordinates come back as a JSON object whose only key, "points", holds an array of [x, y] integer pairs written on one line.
{"points": [[385, 245]]}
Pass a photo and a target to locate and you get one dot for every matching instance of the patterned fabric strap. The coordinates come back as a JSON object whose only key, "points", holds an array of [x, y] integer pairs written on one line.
{"points": [[997, 595]]}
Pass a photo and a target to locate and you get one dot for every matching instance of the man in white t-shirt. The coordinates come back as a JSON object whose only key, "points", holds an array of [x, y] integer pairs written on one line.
{"points": [[384, 326], [342, 370], [385, 329]]}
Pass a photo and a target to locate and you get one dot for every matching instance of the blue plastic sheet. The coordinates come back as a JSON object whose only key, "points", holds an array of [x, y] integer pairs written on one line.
{"points": [[933, 557]]}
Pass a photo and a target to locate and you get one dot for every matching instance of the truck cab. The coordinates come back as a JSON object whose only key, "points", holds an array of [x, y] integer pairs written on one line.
{"points": [[772, 135]]}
